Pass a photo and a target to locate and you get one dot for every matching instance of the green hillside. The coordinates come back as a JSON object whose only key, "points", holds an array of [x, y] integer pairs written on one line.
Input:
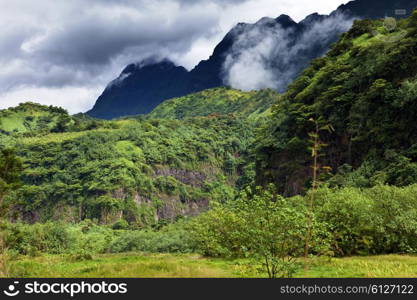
{"points": [[145, 171], [32, 117], [220, 101], [77, 167], [366, 89]]}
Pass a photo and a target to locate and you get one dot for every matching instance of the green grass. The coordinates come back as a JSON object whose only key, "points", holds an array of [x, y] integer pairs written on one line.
{"points": [[387, 266], [13, 123], [194, 266], [120, 265]]}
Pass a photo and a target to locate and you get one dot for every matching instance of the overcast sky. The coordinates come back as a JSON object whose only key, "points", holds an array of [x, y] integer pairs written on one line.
{"points": [[64, 52]]}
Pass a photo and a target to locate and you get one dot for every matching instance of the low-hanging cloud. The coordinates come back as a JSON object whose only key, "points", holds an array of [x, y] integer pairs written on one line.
{"points": [[267, 55]]}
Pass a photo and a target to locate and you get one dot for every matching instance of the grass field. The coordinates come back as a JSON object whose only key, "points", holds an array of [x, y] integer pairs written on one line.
{"points": [[193, 266]]}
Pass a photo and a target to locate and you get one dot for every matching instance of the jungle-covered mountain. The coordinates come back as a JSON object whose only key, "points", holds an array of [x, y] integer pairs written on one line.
{"points": [[142, 86], [365, 88]]}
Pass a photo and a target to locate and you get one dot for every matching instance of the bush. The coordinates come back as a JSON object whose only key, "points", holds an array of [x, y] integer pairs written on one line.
{"points": [[120, 224], [170, 239], [347, 221], [379, 220], [56, 238], [27, 239]]}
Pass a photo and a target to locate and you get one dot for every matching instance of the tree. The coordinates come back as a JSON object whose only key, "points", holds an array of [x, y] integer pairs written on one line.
{"points": [[316, 145], [10, 169], [259, 224], [274, 230]]}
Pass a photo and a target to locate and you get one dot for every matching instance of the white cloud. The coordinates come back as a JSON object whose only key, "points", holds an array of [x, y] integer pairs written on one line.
{"points": [[269, 56]]}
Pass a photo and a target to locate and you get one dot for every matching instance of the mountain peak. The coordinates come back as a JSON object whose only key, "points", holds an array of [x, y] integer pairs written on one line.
{"points": [[265, 21], [315, 17], [150, 64], [285, 21]]}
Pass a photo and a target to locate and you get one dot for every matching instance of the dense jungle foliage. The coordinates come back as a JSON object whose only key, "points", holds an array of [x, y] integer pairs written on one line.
{"points": [[366, 89], [141, 171]]}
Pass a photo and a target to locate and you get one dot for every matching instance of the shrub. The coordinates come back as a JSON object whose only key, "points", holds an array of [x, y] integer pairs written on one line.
{"points": [[120, 224], [172, 238], [56, 238], [379, 220], [32, 239]]}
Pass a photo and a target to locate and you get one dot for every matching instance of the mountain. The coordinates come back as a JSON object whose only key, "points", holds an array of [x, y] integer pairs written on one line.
{"points": [[268, 54], [140, 88], [216, 101], [366, 89]]}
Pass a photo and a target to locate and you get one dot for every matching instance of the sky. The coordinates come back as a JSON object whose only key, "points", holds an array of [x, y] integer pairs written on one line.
{"points": [[65, 52]]}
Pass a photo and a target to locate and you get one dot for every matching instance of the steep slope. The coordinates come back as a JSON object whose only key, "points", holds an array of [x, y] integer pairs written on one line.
{"points": [[366, 88], [142, 171], [267, 54], [219, 101], [140, 88]]}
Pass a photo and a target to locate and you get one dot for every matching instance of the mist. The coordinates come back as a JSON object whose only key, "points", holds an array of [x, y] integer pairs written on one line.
{"points": [[267, 55]]}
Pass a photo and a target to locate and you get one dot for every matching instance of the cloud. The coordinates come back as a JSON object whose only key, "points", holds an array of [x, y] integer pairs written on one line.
{"points": [[70, 50], [71, 98], [272, 56]]}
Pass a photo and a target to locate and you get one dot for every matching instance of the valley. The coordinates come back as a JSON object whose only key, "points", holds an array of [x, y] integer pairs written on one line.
{"points": [[317, 180]]}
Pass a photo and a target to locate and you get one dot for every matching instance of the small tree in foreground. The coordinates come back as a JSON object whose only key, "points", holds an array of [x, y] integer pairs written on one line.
{"points": [[316, 147], [259, 225], [273, 230]]}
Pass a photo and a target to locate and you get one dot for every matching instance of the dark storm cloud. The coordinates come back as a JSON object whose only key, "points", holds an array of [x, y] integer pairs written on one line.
{"points": [[84, 42], [67, 45]]}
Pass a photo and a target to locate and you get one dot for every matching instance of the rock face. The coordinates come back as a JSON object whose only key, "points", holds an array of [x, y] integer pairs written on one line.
{"points": [[267, 54], [171, 206], [191, 178], [174, 205]]}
